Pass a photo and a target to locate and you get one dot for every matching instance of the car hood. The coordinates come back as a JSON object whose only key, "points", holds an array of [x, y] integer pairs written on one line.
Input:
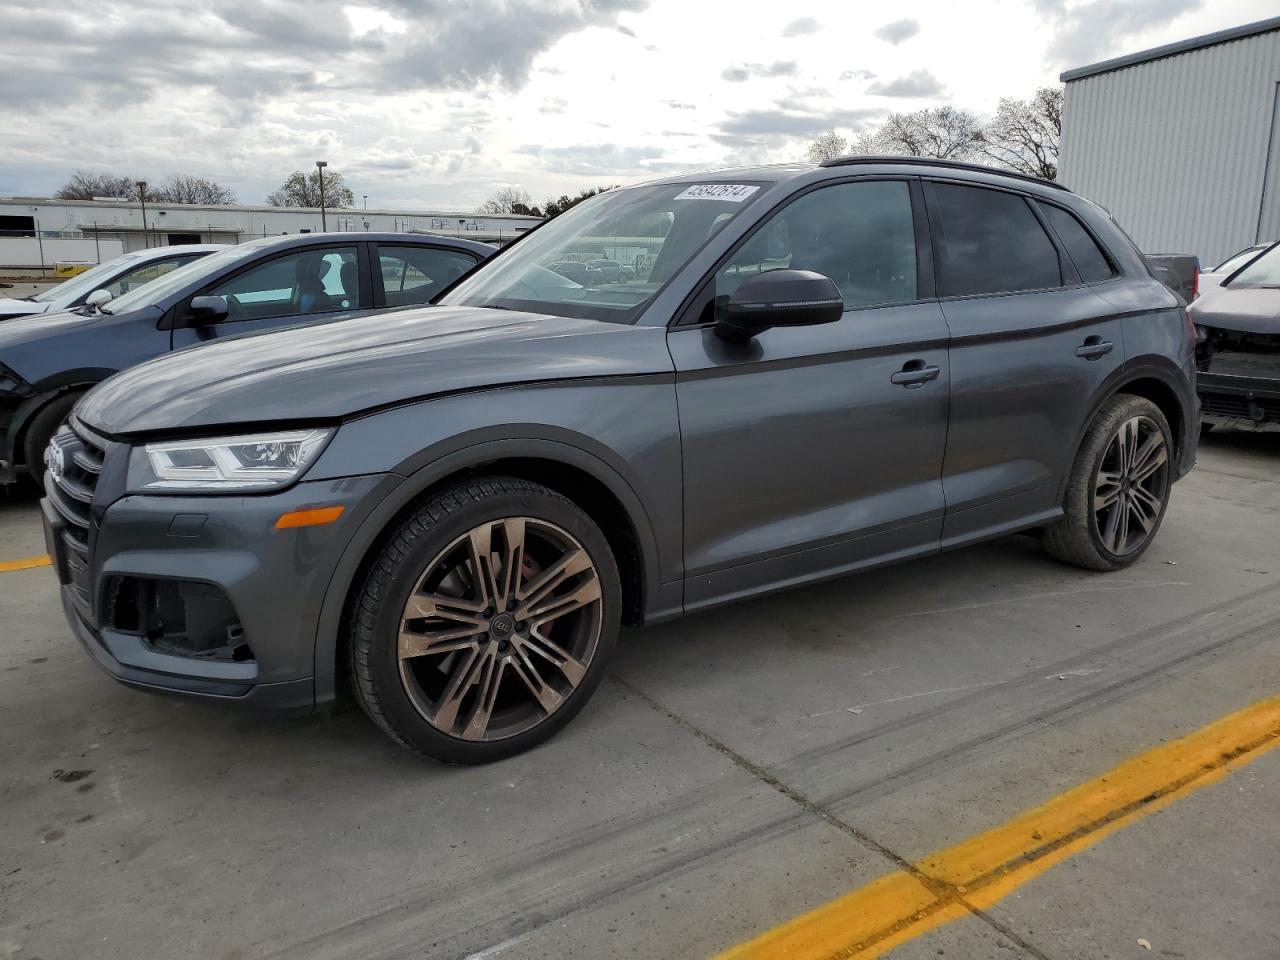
{"points": [[334, 370], [1243, 309], [12, 307]]}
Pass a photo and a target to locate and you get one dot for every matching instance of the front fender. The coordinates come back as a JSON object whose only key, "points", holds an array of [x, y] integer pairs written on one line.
{"points": [[635, 456]]}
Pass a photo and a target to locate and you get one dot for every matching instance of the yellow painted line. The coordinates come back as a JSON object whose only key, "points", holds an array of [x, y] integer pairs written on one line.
{"points": [[30, 563], [979, 872]]}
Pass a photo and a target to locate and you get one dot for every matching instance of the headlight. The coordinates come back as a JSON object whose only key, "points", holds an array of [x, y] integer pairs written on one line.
{"points": [[256, 462]]}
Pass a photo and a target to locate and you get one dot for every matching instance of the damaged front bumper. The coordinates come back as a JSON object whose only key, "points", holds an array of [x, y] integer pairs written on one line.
{"points": [[1241, 387]]}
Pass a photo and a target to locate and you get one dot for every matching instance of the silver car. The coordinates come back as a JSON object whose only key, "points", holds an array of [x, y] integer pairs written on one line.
{"points": [[107, 280]]}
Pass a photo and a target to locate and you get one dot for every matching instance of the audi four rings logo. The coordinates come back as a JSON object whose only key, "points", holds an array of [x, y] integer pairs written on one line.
{"points": [[55, 460]]}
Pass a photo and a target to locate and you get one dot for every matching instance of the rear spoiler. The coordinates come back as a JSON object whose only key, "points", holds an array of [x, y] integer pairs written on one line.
{"points": [[1180, 272]]}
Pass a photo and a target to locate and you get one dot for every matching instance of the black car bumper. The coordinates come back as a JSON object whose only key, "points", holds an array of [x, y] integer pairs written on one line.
{"points": [[1233, 400]]}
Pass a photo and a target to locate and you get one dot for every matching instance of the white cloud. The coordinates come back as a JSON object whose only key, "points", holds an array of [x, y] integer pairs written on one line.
{"points": [[431, 103], [899, 31]]}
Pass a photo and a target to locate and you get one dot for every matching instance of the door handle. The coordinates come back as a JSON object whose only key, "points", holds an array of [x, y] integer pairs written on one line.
{"points": [[1094, 347], [915, 373]]}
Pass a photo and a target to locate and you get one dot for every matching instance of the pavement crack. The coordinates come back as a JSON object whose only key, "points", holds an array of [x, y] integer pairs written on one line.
{"points": [[945, 893]]}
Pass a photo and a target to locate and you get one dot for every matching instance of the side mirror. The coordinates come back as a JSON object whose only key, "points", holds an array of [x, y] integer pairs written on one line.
{"points": [[780, 298], [203, 311], [97, 298]]}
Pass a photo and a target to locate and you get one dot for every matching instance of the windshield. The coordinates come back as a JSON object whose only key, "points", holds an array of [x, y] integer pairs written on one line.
{"points": [[1263, 272], [157, 290], [607, 257], [84, 283], [1238, 260]]}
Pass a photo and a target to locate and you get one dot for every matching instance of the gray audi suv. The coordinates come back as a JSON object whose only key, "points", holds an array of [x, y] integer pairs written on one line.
{"points": [[452, 509]]}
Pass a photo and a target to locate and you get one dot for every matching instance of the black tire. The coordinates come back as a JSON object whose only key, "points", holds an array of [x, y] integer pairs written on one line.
{"points": [[41, 429], [1077, 538], [395, 575]]}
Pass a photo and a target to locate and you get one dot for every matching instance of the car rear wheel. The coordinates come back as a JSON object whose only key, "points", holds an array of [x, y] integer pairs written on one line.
{"points": [[1119, 486], [486, 622], [41, 430]]}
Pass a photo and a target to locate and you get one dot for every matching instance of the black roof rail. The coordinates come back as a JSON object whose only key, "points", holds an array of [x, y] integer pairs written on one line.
{"points": [[850, 161]]}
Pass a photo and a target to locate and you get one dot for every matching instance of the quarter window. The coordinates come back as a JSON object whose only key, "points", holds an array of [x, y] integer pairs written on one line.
{"points": [[860, 235], [1084, 251], [307, 282], [416, 274], [989, 241]]}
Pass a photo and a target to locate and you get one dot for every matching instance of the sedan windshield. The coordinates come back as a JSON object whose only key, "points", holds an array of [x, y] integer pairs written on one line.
{"points": [[1263, 272], [158, 290], [84, 283], [607, 257]]}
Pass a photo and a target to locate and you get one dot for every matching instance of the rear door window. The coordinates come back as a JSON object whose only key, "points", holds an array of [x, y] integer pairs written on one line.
{"points": [[1084, 251], [989, 241], [416, 274]]}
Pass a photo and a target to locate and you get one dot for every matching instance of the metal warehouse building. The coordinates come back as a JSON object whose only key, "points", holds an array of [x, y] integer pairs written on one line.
{"points": [[1182, 143]]}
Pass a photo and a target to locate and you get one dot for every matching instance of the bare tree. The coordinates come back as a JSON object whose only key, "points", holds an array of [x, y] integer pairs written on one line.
{"points": [[506, 199], [1025, 135], [945, 133], [85, 186], [303, 190], [826, 146], [184, 188]]}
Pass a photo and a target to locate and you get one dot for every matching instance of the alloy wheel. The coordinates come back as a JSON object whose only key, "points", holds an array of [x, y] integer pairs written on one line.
{"points": [[500, 629], [1131, 485]]}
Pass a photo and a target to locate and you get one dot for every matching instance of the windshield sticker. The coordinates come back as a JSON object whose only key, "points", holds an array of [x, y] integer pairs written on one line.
{"points": [[732, 192]]}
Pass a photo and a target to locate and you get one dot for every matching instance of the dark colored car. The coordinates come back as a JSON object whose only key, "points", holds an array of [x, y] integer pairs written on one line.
{"points": [[48, 362], [1239, 352], [579, 273], [610, 270], [824, 369]]}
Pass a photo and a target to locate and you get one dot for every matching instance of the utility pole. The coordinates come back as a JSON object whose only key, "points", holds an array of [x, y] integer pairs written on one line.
{"points": [[142, 198], [320, 165]]}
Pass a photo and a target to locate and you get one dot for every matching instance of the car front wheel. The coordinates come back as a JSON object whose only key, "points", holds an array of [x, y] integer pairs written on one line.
{"points": [[486, 622], [1119, 486]]}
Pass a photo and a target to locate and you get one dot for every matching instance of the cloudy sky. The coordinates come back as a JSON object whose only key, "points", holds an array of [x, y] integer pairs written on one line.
{"points": [[433, 104]]}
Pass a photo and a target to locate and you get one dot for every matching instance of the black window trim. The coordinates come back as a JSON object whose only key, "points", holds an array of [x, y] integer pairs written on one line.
{"points": [[375, 276], [688, 315], [1064, 262], [1107, 255], [362, 259]]}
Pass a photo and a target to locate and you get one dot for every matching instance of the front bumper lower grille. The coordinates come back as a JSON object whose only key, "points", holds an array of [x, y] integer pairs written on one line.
{"points": [[73, 465]]}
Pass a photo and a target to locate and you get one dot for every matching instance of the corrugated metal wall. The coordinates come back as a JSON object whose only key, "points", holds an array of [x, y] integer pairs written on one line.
{"points": [[1177, 148]]}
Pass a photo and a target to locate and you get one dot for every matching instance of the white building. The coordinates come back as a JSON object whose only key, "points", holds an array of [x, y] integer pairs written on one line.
{"points": [[96, 230], [1182, 143]]}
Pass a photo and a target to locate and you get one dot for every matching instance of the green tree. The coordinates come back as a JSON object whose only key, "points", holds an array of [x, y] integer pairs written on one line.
{"points": [[553, 208], [303, 190]]}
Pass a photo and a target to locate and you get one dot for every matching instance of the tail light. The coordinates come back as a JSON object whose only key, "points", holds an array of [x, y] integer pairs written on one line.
{"points": [[1195, 282]]}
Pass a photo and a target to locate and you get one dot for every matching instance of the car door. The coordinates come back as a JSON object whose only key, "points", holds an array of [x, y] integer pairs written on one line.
{"points": [[310, 284], [409, 274], [1031, 343], [813, 450]]}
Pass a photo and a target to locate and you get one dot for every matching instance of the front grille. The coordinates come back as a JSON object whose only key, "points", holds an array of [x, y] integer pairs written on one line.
{"points": [[1237, 407], [70, 483]]}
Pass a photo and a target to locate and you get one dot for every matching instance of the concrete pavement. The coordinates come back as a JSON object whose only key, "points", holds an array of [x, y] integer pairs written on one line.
{"points": [[740, 767]]}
